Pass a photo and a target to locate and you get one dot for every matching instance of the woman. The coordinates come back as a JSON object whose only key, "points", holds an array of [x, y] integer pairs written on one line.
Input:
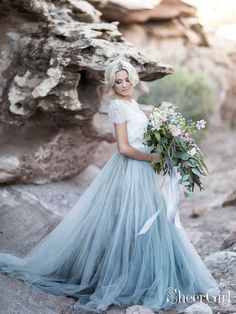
{"points": [[101, 253]]}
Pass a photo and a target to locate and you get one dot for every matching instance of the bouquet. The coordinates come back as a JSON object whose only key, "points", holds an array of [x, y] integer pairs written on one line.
{"points": [[169, 133]]}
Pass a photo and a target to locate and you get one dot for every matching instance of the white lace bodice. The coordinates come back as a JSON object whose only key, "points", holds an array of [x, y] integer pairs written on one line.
{"points": [[124, 111]]}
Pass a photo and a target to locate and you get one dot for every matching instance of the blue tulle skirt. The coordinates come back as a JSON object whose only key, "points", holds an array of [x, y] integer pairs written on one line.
{"points": [[96, 256]]}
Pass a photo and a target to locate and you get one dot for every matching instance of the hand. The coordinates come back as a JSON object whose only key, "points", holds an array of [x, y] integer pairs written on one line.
{"points": [[155, 156]]}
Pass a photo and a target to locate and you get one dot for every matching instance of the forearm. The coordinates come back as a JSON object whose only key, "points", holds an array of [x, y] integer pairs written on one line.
{"points": [[131, 152]]}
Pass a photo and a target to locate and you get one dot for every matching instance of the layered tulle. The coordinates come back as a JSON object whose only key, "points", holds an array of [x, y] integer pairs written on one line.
{"points": [[96, 256]]}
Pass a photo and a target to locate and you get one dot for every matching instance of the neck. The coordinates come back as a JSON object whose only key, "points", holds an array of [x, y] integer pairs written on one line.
{"points": [[128, 98]]}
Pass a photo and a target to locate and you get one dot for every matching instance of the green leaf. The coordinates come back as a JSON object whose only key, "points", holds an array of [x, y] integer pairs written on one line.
{"points": [[185, 177], [188, 193], [196, 171], [158, 136], [183, 155], [185, 183]]}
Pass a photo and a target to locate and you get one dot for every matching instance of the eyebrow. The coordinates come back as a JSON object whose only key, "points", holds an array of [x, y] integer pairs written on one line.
{"points": [[121, 79]]}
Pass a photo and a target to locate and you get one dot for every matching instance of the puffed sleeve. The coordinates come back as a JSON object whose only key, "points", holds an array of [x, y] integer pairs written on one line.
{"points": [[117, 113]]}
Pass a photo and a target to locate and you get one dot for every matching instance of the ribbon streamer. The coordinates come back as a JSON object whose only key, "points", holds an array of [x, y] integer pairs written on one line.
{"points": [[171, 195]]}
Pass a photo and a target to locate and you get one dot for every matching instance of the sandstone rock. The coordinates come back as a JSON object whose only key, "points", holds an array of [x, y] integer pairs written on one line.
{"points": [[24, 221], [123, 5], [168, 19], [46, 153], [130, 12], [230, 200], [67, 10], [221, 262], [179, 38], [138, 309], [18, 297], [181, 45], [199, 308], [230, 241], [54, 56], [82, 11], [62, 68], [59, 197], [198, 211], [9, 169], [61, 82], [103, 152]]}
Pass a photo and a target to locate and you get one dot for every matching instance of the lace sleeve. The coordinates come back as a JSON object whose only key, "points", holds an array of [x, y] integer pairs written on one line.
{"points": [[117, 113]]}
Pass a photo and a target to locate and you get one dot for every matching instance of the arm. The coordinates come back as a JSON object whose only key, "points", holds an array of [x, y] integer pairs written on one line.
{"points": [[126, 149]]}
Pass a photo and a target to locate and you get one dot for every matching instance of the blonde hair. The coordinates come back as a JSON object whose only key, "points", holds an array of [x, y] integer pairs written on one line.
{"points": [[118, 65]]}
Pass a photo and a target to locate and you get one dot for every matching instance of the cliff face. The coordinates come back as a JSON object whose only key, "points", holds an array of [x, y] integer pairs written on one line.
{"points": [[167, 19], [54, 54], [171, 31]]}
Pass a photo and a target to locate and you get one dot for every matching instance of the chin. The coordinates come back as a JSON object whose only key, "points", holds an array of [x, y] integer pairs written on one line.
{"points": [[126, 93]]}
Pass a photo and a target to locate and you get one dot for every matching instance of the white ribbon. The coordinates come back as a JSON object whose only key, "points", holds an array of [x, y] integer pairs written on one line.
{"points": [[171, 197]]}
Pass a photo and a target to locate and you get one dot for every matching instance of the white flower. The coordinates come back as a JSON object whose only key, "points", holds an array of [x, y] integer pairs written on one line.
{"points": [[152, 123], [201, 124], [192, 151], [158, 119], [174, 130]]}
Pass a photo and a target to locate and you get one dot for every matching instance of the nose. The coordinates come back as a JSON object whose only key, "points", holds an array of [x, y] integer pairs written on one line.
{"points": [[124, 84]]}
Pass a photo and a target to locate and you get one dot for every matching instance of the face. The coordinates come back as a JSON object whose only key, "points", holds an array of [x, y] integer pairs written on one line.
{"points": [[122, 86]]}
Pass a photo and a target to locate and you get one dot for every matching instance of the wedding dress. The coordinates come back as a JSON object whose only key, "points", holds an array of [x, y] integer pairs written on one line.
{"points": [[122, 242]]}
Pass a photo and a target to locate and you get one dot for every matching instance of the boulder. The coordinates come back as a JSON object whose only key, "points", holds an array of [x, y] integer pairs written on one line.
{"points": [[221, 262], [51, 80], [18, 297], [198, 308], [141, 12], [171, 31], [230, 241]]}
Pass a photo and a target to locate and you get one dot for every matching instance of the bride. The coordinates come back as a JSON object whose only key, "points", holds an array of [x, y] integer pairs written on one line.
{"points": [[117, 245]]}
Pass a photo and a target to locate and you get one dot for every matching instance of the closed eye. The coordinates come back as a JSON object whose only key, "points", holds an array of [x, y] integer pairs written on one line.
{"points": [[119, 81]]}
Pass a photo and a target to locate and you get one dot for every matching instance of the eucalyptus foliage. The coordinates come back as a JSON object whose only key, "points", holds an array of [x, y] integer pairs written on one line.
{"points": [[170, 134]]}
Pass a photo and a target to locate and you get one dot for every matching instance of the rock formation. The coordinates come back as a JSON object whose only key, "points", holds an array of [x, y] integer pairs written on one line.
{"points": [[166, 19], [53, 58], [171, 31]]}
